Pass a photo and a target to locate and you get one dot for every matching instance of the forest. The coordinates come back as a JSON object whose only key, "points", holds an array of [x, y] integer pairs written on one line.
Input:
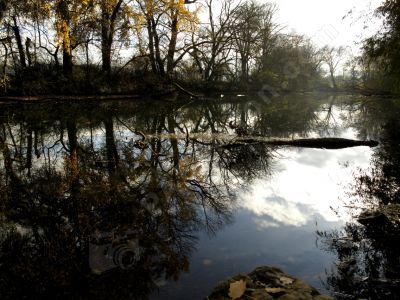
{"points": [[96, 47]]}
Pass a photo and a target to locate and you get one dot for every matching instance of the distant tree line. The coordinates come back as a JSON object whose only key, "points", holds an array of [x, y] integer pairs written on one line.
{"points": [[108, 46]]}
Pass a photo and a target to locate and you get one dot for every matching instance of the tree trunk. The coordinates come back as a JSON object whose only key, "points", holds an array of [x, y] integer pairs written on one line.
{"points": [[106, 56], [65, 27], [108, 20], [333, 79], [111, 147], [8, 160], [87, 63], [174, 142], [5, 64], [56, 61], [28, 44], [67, 61], [29, 150], [73, 153], [151, 47], [160, 63], [172, 45], [18, 38], [105, 43], [244, 69]]}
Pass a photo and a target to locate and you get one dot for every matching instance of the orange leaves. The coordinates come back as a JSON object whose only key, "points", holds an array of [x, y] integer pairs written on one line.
{"points": [[237, 289], [186, 17], [68, 15], [185, 14]]}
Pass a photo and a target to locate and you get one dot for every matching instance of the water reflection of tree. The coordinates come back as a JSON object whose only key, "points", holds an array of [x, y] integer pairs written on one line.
{"points": [[146, 204], [91, 209], [367, 250], [244, 161]]}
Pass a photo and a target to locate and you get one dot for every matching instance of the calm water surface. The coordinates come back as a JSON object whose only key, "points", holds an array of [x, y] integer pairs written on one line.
{"points": [[140, 199]]}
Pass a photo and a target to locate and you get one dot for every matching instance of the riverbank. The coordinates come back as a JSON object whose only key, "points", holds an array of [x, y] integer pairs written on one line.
{"points": [[171, 95]]}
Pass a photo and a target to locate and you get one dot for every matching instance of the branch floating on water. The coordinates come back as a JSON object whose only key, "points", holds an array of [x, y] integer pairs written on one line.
{"points": [[318, 143]]}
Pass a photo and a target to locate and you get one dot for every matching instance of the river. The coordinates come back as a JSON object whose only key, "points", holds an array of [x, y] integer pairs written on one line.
{"points": [[142, 199]]}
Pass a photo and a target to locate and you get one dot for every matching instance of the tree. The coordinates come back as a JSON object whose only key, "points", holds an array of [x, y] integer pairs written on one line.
{"points": [[252, 32], [332, 56], [383, 46], [109, 9], [290, 62], [179, 17], [71, 24], [352, 66], [82, 201], [164, 21], [13, 11], [212, 50]]}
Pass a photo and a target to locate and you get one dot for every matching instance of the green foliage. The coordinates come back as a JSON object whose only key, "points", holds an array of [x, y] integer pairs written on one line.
{"points": [[382, 48], [292, 64]]}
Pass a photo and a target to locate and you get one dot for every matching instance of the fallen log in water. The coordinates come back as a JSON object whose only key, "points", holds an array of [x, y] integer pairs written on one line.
{"points": [[319, 143]]}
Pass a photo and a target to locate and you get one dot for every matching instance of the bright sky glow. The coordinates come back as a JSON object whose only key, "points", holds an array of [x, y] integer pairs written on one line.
{"points": [[323, 20], [308, 184]]}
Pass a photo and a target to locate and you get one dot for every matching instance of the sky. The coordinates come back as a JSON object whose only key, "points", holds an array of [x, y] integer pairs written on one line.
{"points": [[323, 20]]}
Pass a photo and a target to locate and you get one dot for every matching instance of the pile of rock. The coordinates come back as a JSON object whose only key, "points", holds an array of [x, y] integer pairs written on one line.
{"points": [[266, 283]]}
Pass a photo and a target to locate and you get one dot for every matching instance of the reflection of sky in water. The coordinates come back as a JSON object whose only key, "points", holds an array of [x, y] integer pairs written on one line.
{"points": [[276, 222], [278, 216], [306, 182]]}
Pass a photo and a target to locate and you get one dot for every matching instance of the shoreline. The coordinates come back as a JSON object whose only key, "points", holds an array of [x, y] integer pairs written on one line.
{"points": [[215, 94]]}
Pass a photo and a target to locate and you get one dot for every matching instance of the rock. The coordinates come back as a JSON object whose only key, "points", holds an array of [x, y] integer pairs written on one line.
{"points": [[375, 218], [322, 297], [266, 283], [300, 285], [384, 215], [261, 294], [294, 295]]}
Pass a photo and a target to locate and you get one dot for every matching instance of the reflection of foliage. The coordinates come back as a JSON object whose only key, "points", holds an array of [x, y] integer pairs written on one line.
{"points": [[384, 182], [49, 245], [368, 259], [287, 116], [53, 213], [246, 161], [367, 265], [73, 179], [55, 265]]}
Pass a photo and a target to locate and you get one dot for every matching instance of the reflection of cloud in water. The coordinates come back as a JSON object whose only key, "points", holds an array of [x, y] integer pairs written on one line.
{"points": [[275, 211], [309, 182]]}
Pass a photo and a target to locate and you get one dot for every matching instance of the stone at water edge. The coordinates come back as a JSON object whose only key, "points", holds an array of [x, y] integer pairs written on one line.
{"points": [[266, 283]]}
